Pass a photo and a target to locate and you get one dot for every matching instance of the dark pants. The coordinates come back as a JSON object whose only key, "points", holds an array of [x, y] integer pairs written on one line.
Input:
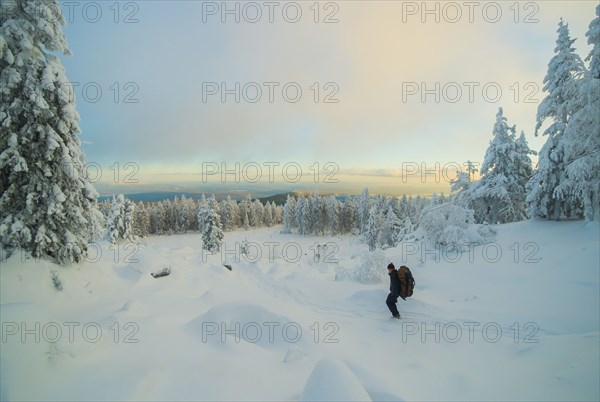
{"points": [[391, 303]]}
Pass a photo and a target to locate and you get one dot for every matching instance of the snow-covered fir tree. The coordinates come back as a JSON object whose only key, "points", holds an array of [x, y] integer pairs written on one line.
{"points": [[499, 195], [459, 186], [47, 204], [277, 213], [403, 208], [157, 218], [300, 215], [256, 214], [309, 215], [202, 212], [191, 215], [564, 69], [333, 212], [128, 219], [170, 218], [319, 214], [363, 210], [406, 230], [246, 221], [346, 220], [182, 213], [390, 230], [97, 224], [522, 171], [212, 232], [582, 135], [268, 216], [141, 220], [114, 220], [289, 214], [434, 199], [229, 216], [372, 229], [119, 223]]}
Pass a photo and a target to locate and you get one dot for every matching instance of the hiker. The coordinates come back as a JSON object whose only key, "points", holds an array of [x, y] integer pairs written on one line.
{"points": [[392, 298]]}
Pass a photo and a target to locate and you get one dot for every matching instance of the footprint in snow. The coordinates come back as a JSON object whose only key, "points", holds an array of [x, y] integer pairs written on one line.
{"points": [[469, 298]]}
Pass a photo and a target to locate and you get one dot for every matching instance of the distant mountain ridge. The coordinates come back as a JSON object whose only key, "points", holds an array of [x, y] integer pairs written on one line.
{"points": [[156, 196]]}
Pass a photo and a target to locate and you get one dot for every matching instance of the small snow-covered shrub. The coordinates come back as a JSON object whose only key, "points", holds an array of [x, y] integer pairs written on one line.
{"points": [[444, 224], [452, 228], [371, 268], [452, 238], [56, 281]]}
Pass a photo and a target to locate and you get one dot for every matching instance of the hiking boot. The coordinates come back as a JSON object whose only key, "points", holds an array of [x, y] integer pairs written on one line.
{"points": [[397, 316]]}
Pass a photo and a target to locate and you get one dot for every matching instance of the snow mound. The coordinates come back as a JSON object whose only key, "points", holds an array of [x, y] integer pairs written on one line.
{"points": [[480, 234], [31, 345], [249, 323], [294, 354], [332, 380]]}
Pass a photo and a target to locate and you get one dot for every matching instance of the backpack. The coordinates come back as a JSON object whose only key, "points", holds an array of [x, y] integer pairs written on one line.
{"points": [[407, 282]]}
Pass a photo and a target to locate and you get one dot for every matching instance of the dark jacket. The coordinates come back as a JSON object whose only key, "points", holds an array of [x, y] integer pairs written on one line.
{"points": [[394, 283]]}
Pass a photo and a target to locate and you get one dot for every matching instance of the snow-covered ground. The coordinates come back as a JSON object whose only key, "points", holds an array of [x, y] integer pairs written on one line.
{"points": [[514, 320]]}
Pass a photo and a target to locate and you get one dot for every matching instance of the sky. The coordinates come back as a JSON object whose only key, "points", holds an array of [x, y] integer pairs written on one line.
{"points": [[329, 96]]}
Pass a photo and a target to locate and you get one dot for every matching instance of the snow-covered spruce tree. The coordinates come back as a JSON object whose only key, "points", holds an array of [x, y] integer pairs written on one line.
{"points": [[157, 218], [362, 212], [333, 215], [499, 195], [564, 69], [289, 214], [115, 224], [202, 212], [403, 207], [120, 220], [406, 230], [212, 232], [47, 204], [278, 212], [215, 205], [390, 230], [522, 172], [347, 221], [372, 229], [234, 212], [171, 216], [141, 221], [104, 208], [226, 218], [309, 215], [257, 214], [191, 217], [182, 212], [246, 221], [268, 216], [434, 199], [458, 188], [582, 135], [300, 214], [319, 214], [97, 224], [128, 220], [416, 206]]}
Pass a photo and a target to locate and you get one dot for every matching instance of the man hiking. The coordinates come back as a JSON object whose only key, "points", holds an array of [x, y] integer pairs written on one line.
{"points": [[392, 298]]}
